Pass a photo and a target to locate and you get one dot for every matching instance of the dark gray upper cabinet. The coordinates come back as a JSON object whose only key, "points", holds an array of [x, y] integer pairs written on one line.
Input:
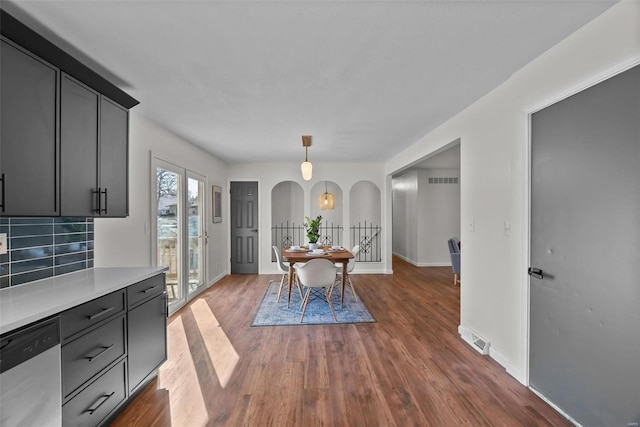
{"points": [[114, 159], [94, 152], [63, 132], [28, 134], [78, 148]]}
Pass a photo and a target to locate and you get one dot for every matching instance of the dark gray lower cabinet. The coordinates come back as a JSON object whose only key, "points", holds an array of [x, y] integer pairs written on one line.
{"points": [[98, 400], [147, 323], [99, 371], [88, 355]]}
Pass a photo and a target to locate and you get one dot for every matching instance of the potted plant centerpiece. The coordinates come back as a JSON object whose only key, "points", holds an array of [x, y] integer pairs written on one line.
{"points": [[313, 231]]}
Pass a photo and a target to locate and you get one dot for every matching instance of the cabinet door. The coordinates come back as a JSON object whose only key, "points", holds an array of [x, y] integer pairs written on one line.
{"points": [[79, 148], [114, 146], [28, 142], [147, 349]]}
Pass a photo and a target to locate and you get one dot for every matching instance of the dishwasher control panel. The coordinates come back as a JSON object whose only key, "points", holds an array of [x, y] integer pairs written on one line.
{"points": [[20, 346]]}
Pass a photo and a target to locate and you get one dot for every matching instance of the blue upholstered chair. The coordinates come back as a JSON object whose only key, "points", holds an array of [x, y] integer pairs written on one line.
{"points": [[454, 253]]}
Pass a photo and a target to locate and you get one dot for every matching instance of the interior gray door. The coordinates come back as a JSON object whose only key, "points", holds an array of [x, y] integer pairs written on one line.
{"points": [[244, 228], [585, 240]]}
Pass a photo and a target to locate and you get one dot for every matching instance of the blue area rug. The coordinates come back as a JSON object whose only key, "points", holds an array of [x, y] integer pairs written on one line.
{"points": [[273, 313]]}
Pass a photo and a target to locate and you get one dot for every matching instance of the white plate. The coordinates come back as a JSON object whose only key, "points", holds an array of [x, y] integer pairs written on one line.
{"points": [[320, 254], [297, 250], [336, 250]]}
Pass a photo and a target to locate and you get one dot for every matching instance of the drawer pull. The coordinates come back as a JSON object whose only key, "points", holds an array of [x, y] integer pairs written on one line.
{"points": [[104, 350], [97, 405], [150, 289], [100, 313]]}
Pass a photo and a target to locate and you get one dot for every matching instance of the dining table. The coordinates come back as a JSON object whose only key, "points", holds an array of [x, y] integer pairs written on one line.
{"points": [[303, 254]]}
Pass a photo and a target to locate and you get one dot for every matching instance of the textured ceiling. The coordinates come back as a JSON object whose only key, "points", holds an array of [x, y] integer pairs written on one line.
{"points": [[244, 80]]}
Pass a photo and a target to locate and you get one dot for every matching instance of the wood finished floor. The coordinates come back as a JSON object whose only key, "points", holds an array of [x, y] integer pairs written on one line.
{"points": [[409, 369]]}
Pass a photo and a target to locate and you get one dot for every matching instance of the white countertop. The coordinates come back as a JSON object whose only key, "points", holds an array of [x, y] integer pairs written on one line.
{"points": [[30, 302]]}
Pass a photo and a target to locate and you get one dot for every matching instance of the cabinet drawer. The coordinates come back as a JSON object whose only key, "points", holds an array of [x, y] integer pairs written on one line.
{"points": [[146, 289], [86, 356], [91, 313], [97, 401]]}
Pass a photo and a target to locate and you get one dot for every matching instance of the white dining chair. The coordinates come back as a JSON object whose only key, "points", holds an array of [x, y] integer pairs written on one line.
{"points": [[314, 274], [350, 266], [284, 270]]}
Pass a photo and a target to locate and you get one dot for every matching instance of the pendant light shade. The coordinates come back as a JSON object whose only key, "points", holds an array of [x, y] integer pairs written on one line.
{"points": [[307, 170], [306, 167], [326, 200]]}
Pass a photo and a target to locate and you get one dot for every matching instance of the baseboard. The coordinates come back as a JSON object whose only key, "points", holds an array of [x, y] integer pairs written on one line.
{"points": [[422, 264], [556, 407], [404, 258], [434, 264], [217, 279]]}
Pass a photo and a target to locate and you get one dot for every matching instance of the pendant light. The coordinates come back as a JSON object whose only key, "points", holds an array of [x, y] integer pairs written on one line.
{"points": [[306, 167], [326, 200]]}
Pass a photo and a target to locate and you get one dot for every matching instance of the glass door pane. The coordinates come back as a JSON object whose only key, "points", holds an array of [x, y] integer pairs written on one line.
{"points": [[196, 260], [169, 230]]}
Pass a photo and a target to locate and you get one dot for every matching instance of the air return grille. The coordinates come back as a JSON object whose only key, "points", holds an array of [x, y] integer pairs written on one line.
{"points": [[443, 180]]}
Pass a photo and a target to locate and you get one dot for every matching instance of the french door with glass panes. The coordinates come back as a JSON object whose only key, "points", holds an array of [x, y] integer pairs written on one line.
{"points": [[180, 245]]}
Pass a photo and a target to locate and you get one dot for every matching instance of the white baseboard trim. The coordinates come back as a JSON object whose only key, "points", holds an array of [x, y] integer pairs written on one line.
{"points": [[404, 258], [217, 279], [422, 264], [434, 264], [554, 406]]}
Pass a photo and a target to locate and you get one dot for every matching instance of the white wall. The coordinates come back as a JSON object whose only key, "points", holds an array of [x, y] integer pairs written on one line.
{"points": [[127, 241], [494, 172], [366, 200], [287, 203], [425, 216], [405, 216], [439, 210], [344, 175]]}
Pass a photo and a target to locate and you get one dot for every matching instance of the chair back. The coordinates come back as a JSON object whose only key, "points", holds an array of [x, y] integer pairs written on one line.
{"points": [[316, 273], [453, 245], [454, 254], [355, 251], [281, 267]]}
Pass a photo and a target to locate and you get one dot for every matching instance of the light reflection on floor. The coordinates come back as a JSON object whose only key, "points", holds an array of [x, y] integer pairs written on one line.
{"points": [[178, 376], [224, 357]]}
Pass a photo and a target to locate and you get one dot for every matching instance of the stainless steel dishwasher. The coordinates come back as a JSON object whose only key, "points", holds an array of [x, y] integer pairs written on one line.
{"points": [[30, 376]]}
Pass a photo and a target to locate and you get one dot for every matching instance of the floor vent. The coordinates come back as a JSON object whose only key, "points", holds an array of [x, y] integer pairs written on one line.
{"points": [[480, 344]]}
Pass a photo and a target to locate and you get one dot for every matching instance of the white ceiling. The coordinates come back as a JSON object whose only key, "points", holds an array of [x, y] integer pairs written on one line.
{"points": [[244, 80]]}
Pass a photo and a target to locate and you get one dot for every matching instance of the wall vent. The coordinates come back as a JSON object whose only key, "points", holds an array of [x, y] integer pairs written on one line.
{"points": [[443, 180], [480, 344]]}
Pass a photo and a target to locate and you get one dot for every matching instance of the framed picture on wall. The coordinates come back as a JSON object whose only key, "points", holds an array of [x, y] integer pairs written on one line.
{"points": [[217, 204]]}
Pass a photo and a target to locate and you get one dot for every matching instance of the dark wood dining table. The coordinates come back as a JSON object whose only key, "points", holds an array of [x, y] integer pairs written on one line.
{"points": [[303, 255]]}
